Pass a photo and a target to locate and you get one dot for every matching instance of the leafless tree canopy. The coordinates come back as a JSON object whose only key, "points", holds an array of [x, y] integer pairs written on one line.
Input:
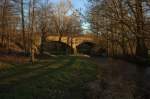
{"points": [[121, 25], [22, 20]]}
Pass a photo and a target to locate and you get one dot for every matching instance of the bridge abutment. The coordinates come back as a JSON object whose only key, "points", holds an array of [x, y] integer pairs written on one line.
{"points": [[75, 50]]}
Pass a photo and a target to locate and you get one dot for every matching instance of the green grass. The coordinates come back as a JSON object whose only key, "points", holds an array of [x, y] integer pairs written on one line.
{"points": [[54, 78]]}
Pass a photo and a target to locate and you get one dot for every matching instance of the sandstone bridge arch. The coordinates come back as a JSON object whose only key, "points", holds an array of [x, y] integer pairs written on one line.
{"points": [[74, 41]]}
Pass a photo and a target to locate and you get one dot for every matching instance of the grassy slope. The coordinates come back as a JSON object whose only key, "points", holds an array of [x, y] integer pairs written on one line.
{"points": [[55, 78]]}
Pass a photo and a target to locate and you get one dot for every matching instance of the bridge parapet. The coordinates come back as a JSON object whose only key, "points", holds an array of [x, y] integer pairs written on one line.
{"points": [[77, 40]]}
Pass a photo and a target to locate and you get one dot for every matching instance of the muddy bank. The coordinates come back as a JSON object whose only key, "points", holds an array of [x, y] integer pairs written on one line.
{"points": [[117, 79]]}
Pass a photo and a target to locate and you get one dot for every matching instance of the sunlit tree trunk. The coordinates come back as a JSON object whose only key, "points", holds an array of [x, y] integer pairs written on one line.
{"points": [[32, 31], [23, 25]]}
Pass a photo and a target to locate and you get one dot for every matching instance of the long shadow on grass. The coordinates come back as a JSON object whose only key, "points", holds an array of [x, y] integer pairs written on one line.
{"points": [[49, 83], [51, 71], [35, 73], [24, 69]]}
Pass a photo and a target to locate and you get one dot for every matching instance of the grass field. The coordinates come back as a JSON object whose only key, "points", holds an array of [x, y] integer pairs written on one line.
{"points": [[53, 78]]}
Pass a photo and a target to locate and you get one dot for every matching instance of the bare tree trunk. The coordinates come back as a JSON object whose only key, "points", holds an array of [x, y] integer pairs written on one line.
{"points": [[3, 23], [131, 48], [23, 25], [43, 37], [32, 52], [141, 49], [60, 37]]}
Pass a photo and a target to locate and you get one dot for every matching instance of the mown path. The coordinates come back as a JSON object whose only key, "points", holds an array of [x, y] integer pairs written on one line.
{"points": [[61, 77]]}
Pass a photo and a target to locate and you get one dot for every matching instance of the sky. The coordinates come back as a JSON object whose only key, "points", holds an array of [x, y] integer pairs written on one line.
{"points": [[76, 3], [79, 5]]}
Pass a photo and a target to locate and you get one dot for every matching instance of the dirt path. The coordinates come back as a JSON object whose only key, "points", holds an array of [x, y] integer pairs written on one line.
{"points": [[117, 79]]}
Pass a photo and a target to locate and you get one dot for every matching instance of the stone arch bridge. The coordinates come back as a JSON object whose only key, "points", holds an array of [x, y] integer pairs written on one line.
{"points": [[74, 41]]}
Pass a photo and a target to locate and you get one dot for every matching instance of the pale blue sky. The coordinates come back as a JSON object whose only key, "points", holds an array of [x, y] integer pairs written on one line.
{"points": [[80, 5], [76, 3]]}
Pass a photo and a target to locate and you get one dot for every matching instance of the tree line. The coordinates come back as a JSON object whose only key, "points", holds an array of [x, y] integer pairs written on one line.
{"points": [[22, 20], [122, 24]]}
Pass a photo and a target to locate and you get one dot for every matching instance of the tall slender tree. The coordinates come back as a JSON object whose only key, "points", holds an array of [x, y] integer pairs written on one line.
{"points": [[23, 25]]}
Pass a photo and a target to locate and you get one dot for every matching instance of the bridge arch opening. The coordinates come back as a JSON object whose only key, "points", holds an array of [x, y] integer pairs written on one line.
{"points": [[86, 48], [91, 48], [57, 48]]}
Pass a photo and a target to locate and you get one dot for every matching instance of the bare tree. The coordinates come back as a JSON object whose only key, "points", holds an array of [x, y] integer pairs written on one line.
{"points": [[32, 29], [23, 25], [61, 10], [124, 26], [8, 17], [44, 17]]}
